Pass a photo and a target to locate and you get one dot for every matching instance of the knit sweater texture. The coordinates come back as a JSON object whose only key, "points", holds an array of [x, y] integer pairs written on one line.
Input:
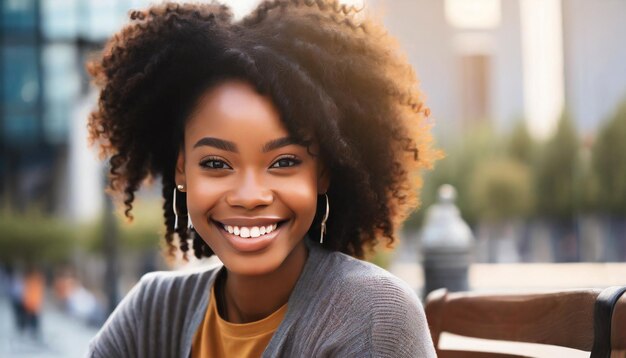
{"points": [[340, 307]]}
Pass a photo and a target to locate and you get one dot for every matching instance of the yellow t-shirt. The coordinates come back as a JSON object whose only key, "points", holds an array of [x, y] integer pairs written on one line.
{"points": [[218, 338]]}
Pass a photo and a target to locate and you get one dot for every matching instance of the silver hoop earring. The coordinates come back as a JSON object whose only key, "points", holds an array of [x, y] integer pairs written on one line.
{"points": [[174, 207], [323, 225], [175, 210]]}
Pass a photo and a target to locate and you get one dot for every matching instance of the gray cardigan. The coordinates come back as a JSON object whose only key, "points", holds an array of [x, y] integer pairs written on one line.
{"points": [[340, 307]]}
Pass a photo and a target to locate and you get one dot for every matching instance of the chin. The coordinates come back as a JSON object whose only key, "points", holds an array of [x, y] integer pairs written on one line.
{"points": [[254, 266]]}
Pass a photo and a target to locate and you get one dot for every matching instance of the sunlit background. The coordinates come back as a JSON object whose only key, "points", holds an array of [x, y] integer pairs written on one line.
{"points": [[528, 100]]}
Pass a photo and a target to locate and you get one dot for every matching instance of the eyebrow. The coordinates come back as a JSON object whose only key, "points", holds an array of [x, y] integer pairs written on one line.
{"points": [[278, 143], [232, 147], [217, 143]]}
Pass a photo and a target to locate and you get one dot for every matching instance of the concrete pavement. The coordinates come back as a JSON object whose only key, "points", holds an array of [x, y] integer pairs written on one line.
{"points": [[62, 336]]}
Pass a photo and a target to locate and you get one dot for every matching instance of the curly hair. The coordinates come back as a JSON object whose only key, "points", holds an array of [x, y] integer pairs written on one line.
{"points": [[336, 77]]}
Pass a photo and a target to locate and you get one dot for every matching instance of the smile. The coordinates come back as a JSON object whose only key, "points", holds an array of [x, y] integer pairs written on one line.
{"points": [[254, 231], [250, 234]]}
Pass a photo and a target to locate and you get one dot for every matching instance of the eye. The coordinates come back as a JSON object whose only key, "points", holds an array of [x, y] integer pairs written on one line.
{"points": [[214, 163], [286, 162]]}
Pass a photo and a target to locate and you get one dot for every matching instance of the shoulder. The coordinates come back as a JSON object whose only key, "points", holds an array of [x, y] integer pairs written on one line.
{"points": [[360, 288], [183, 283], [362, 278], [133, 322], [387, 308]]}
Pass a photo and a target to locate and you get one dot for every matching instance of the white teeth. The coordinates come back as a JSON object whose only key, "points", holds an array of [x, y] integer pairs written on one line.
{"points": [[254, 231]]}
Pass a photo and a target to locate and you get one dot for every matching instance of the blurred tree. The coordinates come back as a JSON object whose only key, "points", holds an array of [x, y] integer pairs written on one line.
{"points": [[521, 146], [140, 235], [35, 238], [461, 157], [556, 173], [479, 146], [588, 183], [558, 189], [500, 190], [609, 162]]}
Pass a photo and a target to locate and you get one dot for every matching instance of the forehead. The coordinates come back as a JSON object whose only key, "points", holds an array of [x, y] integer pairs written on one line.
{"points": [[235, 104]]}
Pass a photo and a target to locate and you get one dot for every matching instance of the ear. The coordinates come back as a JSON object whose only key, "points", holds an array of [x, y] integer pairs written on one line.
{"points": [[323, 178], [179, 175]]}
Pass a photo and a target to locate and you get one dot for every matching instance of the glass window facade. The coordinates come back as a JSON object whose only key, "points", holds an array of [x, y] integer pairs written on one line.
{"points": [[19, 14], [20, 74], [43, 43]]}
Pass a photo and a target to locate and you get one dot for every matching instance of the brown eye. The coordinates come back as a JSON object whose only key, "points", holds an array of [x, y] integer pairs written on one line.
{"points": [[214, 164], [286, 162]]}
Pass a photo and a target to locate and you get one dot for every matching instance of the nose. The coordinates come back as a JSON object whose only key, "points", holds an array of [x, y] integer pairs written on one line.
{"points": [[250, 192]]}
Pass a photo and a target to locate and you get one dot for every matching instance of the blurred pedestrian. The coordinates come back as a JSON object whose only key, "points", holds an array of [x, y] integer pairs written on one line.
{"points": [[32, 300], [287, 145], [64, 284], [16, 294], [76, 300]]}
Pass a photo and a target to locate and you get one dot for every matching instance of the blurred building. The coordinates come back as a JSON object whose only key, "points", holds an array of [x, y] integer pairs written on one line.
{"points": [[44, 160], [505, 60], [25, 149], [595, 58], [479, 61]]}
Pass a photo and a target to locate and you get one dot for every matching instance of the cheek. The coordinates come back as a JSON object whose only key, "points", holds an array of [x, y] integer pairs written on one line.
{"points": [[201, 195], [301, 197]]}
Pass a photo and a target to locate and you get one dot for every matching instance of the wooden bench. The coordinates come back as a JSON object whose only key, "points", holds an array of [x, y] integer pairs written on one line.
{"points": [[563, 318]]}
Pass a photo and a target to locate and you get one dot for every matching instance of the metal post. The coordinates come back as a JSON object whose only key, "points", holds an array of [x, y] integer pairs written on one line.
{"points": [[446, 245], [110, 240]]}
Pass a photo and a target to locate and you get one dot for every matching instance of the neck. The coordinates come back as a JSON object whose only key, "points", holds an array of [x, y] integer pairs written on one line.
{"points": [[252, 298]]}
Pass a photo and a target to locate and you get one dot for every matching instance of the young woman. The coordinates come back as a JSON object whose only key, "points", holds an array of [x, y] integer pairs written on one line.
{"points": [[287, 143]]}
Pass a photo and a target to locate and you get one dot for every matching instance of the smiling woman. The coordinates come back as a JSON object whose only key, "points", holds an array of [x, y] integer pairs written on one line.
{"points": [[240, 169], [258, 128]]}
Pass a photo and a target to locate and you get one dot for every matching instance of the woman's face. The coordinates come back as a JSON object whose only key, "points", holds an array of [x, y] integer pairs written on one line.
{"points": [[251, 192]]}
